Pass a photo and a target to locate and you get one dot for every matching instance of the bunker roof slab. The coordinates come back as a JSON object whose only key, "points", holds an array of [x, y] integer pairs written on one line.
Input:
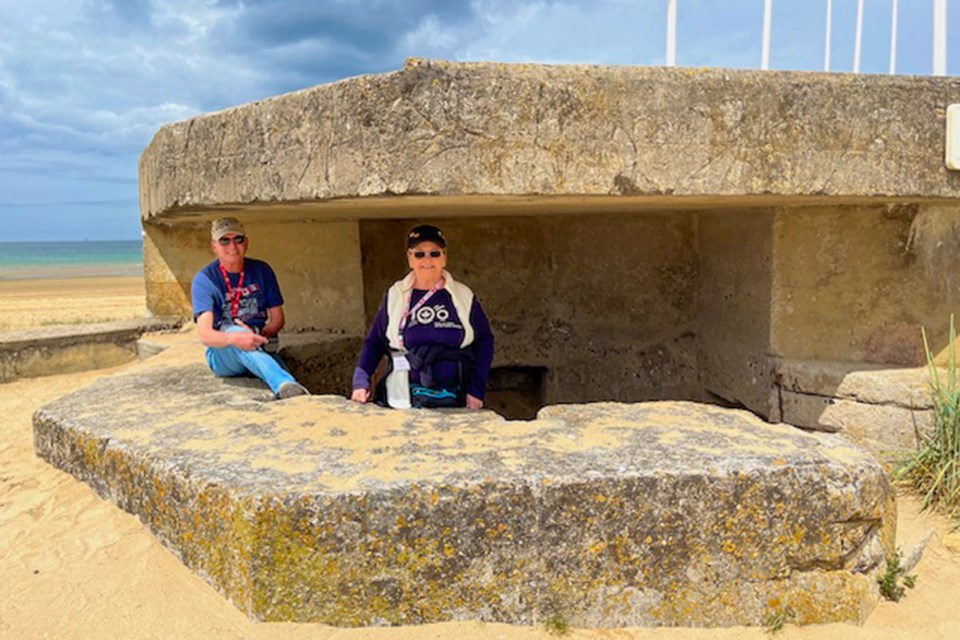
{"points": [[509, 138]]}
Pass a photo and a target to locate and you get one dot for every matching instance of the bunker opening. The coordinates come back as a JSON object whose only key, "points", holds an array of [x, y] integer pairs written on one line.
{"points": [[700, 302]]}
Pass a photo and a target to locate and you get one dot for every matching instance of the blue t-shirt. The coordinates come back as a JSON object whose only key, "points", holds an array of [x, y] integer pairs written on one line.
{"points": [[260, 292]]}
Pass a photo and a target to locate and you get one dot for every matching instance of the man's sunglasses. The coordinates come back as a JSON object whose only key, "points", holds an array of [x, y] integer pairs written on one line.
{"points": [[423, 254], [235, 239]]}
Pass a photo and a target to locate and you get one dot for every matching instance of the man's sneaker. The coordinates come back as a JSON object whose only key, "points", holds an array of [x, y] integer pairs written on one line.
{"points": [[292, 390]]}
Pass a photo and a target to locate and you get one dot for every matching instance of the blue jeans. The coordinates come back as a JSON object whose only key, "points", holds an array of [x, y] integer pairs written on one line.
{"points": [[231, 361]]}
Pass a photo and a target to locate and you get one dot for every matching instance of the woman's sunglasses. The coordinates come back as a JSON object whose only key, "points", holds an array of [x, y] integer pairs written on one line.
{"points": [[419, 255], [235, 239]]}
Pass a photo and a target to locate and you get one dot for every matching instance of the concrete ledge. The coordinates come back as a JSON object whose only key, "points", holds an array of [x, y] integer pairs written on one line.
{"points": [[883, 409], [317, 509], [66, 349]]}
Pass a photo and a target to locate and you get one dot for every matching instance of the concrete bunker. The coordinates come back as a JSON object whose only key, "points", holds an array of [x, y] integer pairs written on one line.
{"points": [[635, 233], [761, 240]]}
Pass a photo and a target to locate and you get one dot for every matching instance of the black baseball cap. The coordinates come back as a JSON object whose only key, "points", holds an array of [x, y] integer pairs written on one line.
{"points": [[425, 233]]}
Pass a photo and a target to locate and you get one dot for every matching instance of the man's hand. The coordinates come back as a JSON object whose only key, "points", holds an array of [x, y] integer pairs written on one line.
{"points": [[361, 395], [474, 403], [246, 340]]}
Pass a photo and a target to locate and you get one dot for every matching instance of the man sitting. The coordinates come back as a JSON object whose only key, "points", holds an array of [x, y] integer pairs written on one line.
{"points": [[238, 309]]}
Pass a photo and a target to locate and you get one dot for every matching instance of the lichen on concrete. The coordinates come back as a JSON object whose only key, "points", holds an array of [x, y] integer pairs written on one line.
{"points": [[318, 509]]}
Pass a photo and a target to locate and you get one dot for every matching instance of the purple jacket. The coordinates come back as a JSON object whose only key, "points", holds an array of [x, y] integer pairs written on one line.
{"points": [[435, 323]]}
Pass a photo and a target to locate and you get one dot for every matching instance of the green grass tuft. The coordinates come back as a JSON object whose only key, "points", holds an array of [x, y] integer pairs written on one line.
{"points": [[895, 581], [775, 621], [557, 625], [934, 469]]}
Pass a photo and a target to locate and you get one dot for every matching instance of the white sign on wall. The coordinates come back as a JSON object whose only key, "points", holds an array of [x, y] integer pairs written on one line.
{"points": [[953, 137]]}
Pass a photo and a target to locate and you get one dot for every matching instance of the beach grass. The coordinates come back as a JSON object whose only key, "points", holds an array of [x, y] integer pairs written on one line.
{"points": [[934, 469]]}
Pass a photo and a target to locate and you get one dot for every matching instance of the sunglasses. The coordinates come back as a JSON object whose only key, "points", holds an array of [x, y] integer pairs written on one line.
{"points": [[419, 255], [236, 240]]}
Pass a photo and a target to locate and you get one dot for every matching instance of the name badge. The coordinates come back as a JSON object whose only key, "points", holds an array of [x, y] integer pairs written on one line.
{"points": [[400, 363]]}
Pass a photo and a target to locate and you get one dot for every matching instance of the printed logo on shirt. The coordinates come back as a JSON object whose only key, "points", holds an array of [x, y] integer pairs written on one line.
{"points": [[249, 307], [249, 290], [438, 315]]}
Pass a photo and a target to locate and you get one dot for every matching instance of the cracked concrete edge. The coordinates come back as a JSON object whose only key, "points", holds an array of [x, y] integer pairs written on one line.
{"points": [[904, 387], [882, 429]]}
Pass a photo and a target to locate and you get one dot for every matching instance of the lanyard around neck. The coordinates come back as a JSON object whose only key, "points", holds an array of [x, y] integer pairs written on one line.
{"points": [[422, 301], [234, 294]]}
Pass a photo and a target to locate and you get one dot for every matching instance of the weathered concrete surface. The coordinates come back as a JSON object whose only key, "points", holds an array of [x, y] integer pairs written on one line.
{"points": [[887, 410], [317, 509], [42, 352], [486, 129], [856, 283], [735, 254], [907, 387]]}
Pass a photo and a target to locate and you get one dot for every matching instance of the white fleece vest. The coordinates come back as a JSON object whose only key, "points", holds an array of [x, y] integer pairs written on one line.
{"points": [[398, 296]]}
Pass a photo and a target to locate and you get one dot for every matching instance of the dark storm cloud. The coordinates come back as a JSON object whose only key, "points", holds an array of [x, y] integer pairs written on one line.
{"points": [[367, 24], [300, 44]]}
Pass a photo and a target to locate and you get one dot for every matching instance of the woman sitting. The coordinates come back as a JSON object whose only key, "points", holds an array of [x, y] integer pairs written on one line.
{"points": [[435, 332]]}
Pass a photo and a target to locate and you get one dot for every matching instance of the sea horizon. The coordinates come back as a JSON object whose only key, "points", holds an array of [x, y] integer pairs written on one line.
{"points": [[49, 259]]}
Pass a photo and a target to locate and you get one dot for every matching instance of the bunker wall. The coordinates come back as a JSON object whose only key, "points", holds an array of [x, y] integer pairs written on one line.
{"points": [[735, 255], [621, 306], [855, 284]]}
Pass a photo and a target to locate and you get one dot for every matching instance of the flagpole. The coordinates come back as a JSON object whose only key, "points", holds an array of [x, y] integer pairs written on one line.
{"points": [[765, 55], [893, 39], [859, 37], [826, 44], [672, 33], [939, 37]]}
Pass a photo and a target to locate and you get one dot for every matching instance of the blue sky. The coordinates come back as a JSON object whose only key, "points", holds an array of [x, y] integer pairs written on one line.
{"points": [[84, 84]]}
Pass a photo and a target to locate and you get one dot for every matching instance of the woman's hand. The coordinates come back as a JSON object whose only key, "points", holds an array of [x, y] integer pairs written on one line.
{"points": [[360, 395], [474, 403]]}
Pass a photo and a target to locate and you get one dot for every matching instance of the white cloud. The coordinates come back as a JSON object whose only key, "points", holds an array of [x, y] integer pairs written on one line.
{"points": [[430, 35], [600, 32]]}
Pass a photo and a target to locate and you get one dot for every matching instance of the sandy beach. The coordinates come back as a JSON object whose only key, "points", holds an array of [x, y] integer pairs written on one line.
{"points": [[42, 302], [75, 566]]}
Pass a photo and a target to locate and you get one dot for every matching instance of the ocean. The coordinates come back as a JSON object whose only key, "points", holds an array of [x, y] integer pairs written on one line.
{"points": [[83, 259]]}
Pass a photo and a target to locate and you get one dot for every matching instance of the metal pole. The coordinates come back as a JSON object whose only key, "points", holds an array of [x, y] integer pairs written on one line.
{"points": [[826, 44], [765, 56], [893, 39], [672, 33], [859, 37], [939, 37]]}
